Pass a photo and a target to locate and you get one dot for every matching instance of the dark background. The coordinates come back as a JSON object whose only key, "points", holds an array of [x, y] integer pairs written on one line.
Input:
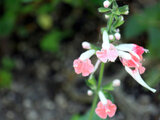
{"points": [[39, 39]]}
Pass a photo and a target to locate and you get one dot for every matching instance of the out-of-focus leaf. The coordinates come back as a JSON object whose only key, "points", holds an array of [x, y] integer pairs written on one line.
{"points": [[154, 42], [46, 8], [45, 21], [152, 77], [86, 116], [8, 20], [7, 63], [51, 41], [5, 78], [135, 26], [74, 3], [139, 23], [75, 117]]}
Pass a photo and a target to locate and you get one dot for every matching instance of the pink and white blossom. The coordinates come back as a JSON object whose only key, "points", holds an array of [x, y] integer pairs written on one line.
{"points": [[83, 63], [105, 107], [106, 4], [86, 45], [108, 51], [117, 36]]}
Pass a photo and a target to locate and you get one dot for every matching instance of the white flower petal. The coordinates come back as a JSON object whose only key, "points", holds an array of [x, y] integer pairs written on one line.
{"points": [[124, 55], [135, 74], [105, 44], [128, 48], [102, 97], [87, 54]]}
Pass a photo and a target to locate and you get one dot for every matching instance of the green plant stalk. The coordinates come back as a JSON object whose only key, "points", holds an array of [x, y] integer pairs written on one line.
{"points": [[96, 94], [100, 73]]}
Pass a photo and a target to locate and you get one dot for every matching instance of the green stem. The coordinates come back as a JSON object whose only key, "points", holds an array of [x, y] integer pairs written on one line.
{"points": [[96, 94]]}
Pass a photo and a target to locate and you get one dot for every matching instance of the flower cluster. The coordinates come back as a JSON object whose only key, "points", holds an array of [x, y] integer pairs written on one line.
{"points": [[130, 55]]}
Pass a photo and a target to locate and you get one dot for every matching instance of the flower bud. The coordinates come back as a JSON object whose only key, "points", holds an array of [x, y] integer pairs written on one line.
{"points": [[89, 92], [122, 18], [106, 4], [111, 37], [127, 12], [86, 45], [106, 16], [117, 36], [116, 83]]}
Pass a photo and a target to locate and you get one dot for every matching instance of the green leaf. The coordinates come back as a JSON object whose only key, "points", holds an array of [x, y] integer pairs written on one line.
{"points": [[123, 9], [118, 22], [7, 63], [5, 78], [86, 116], [51, 41], [45, 21], [135, 26], [139, 23], [152, 77], [109, 87], [91, 82], [102, 9], [154, 42], [108, 96]]}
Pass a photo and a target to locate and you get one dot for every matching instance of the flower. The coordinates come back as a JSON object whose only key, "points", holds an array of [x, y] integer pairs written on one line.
{"points": [[106, 4], [131, 57], [105, 107], [83, 63], [108, 51]]}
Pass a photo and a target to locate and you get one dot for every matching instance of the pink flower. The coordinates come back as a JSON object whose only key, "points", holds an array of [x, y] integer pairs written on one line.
{"points": [[135, 52], [83, 66], [104, 110], [107, 54]]}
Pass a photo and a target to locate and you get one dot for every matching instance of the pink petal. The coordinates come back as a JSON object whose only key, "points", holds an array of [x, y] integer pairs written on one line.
{"points": [[138, 49], [112, 108], [101, 111], [112, 53], [85, 67], [102, 55], [77, 64]]}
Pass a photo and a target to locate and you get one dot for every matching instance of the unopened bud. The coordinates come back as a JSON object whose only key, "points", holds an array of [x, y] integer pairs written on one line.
{"points": [[117, 30], [106, 16], [111, 37], [122, 18], [89, 92], [117, 36], [106, 4], [116, 83], [86, 45], [127, 12]]}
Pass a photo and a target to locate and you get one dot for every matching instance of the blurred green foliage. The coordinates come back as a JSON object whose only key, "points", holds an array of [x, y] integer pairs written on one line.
{"points": [[86, 116], [147, 21], [5, 72]]}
